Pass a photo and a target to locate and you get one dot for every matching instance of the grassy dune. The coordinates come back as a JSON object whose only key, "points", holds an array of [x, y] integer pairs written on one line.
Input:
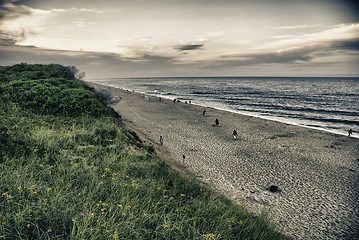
{"points": [[68, 170]]}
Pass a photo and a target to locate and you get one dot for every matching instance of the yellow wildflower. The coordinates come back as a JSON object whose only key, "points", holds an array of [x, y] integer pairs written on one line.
{"points": [[91, 214], [19, 188], [209, 236], [182, 195], [165, 226], [49, 230], [107, 169], [115, 235], [6, 195], [123, 214], [49, 189], [119, 205]]}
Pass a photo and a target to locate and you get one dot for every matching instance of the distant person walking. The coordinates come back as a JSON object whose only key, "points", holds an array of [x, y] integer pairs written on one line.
{"points": [[204, 112], [217, 122], [235, 134], [350, 132], [161, 140]]}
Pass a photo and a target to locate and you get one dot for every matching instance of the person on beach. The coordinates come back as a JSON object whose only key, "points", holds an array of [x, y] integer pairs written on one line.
{"points": [[217, 122], [174, 101], [161, 140], [204, 112], [350, 132], [235, 134]]}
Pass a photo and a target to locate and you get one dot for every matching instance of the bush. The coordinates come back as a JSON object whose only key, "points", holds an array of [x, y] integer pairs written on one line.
{"points": [[36, 71]]}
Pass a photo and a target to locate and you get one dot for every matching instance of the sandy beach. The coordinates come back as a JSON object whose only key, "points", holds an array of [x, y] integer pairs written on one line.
{"points": [[316, 173]]}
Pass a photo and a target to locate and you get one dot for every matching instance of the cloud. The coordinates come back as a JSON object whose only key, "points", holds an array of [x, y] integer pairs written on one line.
{"points": [[295, 27], [305, 54], [189, 47], [9, 10], [7, 39]]}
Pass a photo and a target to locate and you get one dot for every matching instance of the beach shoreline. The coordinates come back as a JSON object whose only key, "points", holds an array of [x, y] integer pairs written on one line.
{"points": [[316, 172], [291, 121]]}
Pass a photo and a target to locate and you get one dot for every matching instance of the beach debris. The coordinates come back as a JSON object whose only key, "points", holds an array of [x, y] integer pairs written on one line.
{"points": [[183, 158], [161, 140], [274, 188], [235, 134]]}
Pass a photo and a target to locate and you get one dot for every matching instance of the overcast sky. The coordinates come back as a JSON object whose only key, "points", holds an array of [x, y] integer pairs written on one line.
{"points": [[149, 38]]}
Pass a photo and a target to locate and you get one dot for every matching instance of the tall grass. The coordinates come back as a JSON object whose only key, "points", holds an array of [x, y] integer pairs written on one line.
{"points": [[84, 177]]}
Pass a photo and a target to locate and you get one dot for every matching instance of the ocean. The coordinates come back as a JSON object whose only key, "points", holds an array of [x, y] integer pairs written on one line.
{"points": [[327, 104]]}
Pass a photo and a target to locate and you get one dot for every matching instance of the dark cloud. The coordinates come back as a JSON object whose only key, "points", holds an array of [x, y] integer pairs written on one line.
{"points": [[299, 55], [189, 47], [351, 45], [285, 57], [12, 9], [94, 64], [7, 39]]}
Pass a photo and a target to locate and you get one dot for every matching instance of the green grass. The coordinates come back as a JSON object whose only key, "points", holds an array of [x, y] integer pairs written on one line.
{"points": [[79, 175]]}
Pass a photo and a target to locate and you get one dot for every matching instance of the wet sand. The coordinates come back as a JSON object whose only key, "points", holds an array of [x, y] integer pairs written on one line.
{"points": [[317, 173]]}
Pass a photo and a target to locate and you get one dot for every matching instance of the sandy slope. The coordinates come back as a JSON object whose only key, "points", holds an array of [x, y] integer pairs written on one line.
{"points": [[317, 172]]}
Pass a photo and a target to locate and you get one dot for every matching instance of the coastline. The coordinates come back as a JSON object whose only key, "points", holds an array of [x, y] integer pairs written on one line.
{"points": [[307, 121], [317, 173]]}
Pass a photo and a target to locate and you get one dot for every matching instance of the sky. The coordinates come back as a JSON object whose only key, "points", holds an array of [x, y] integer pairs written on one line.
{"points": [[169, 38]]}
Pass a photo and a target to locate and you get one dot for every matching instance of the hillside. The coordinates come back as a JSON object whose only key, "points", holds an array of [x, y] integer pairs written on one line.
{"points": [[69, 170]]}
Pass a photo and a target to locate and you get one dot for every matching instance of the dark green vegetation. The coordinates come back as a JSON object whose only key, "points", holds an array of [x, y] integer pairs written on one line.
{"points": [[69, 171]]}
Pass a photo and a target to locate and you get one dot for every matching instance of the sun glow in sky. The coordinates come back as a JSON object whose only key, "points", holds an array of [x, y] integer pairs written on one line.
{"points": [[122, 38]]}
